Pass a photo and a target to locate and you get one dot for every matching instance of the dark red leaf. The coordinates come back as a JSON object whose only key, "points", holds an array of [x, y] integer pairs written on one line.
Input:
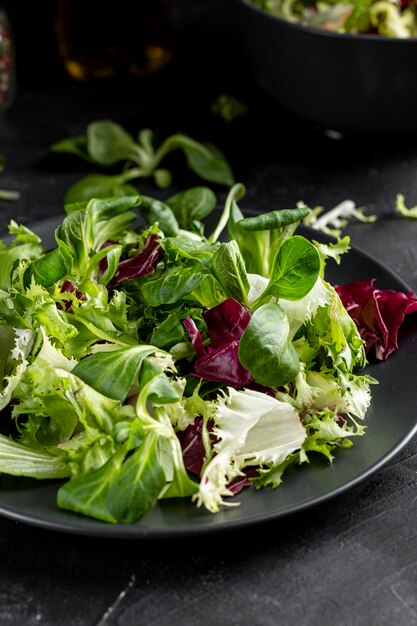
{"points": [[142, 264], [195, 336], [241, 482], [219, 362], [223, 366], [69, 287], [193, 452], [191, 441], [225, 322], [378, 314], [192, 446]]}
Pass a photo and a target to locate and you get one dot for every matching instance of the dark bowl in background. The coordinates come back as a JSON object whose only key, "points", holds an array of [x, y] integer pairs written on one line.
{"points": [[361, 84]]}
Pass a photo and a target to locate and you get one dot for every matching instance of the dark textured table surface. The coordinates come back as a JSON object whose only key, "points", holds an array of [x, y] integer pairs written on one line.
{"points": [[351, 561]]}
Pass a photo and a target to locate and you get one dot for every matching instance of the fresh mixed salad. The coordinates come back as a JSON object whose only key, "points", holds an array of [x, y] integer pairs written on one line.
{"points": [[154, 361], [389, 18]]}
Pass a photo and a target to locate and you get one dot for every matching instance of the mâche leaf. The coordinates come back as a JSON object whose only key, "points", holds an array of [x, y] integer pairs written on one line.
{"points": [[229, 269], [113, 373], [265, 349], [107, 144], [294, 270], [138, 484], [259, 238], [192, 205], [99, 186], [172, 288], [156, 211]]}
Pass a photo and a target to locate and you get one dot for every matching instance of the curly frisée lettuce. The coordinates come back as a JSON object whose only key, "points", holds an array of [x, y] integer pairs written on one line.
{"points": [[140, 363]]}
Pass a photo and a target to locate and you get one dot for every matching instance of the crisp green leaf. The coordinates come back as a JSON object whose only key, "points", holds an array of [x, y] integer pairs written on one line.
{"points": [[7, 340], [236, 193], [112, 256], [192, 249], [19, 460], [75, 238], [47, 270], [10, 257], [333, 335], [53, 321], [208, 293], [22, 234], [83, 232], [16, 345], [180, 484], [272, 476]]}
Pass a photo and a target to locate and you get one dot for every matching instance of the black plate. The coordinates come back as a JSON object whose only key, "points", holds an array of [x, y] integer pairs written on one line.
{"points": [[391, 422]]}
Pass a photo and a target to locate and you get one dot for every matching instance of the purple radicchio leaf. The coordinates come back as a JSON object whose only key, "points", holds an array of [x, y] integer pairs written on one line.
{"points": [[225, 322], [142, 264], [241, 482], [219, 362], [191, 441], [194, 335], [69, 287], [378, 314]]}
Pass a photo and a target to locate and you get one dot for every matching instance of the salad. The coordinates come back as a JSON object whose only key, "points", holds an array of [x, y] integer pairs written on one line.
{"points": [[142, 362], [389, 18]]}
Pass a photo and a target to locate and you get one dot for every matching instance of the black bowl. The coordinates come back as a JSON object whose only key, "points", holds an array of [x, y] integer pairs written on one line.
{"points": [[363, 84]]}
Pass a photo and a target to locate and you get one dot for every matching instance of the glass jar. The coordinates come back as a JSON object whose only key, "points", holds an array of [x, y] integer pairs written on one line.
{"points": [[98, 39], [7, 62]]}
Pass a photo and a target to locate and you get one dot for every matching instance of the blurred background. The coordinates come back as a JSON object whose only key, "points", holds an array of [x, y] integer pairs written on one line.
{"points": [[280, 158], [199, 32], [200, 62]]}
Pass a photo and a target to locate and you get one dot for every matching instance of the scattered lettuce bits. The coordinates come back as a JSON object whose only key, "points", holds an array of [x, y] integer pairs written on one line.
{"points": [[153, 362], [228, 107], [402, 209], [107, 144], [332, 222]]}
